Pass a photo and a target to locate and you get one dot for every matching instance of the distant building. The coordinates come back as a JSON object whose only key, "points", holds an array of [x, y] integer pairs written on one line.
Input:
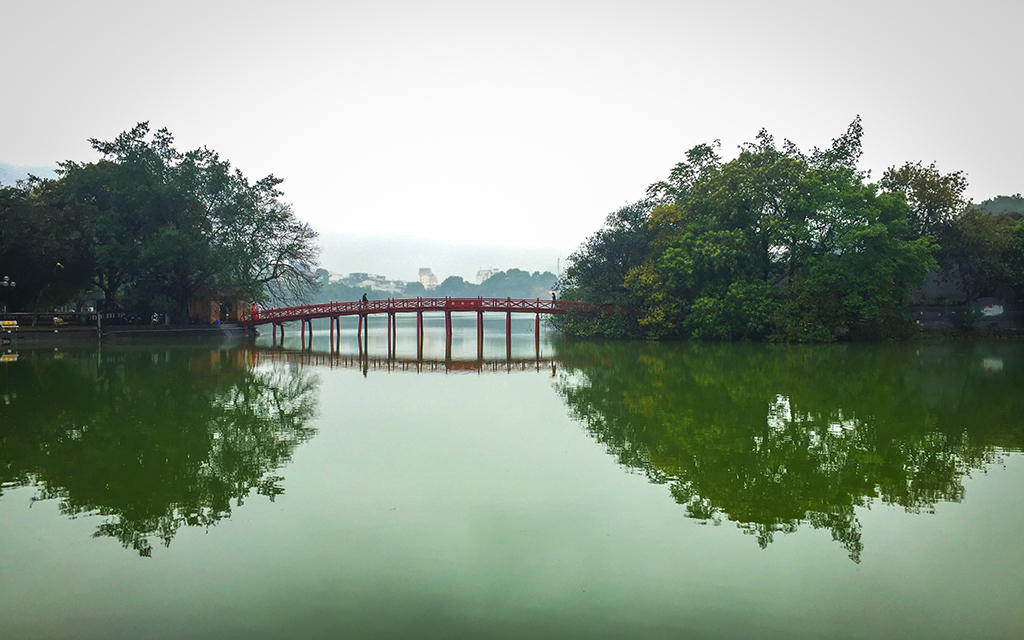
{"points": [[483, 274], [216, 306], [428, 279], [354, 279], [365, 281], [390, 286]]}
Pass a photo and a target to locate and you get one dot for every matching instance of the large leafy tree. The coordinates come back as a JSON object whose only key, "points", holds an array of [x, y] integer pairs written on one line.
{"points": [[597, 271], [936, 199], [168, 225], [979, 246], [42, 250], [758, 247]]}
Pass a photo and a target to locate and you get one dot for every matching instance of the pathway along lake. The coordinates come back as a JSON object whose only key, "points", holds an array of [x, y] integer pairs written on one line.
{"points": [[595, 491]]}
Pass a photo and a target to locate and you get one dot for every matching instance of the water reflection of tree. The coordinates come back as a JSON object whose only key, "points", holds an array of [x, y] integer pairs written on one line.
{"points": [[775, 437], [150, 440]]}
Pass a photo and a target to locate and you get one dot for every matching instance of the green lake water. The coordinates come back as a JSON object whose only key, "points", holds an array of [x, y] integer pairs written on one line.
{"points": [[576, 490]]}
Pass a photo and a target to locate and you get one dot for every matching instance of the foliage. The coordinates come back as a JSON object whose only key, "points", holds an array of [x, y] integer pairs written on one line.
{"points": [[935, 199], [981, 251], [596, 272], [40, 249], [151, 223], [964, 318], [776, 243], [743, 312]]}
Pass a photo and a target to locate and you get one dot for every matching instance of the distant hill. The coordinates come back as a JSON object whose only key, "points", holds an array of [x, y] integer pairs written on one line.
{"points": [[10, 174], [1003, 204]]}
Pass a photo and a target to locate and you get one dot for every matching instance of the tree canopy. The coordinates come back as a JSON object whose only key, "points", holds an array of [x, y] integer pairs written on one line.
{"points": [[779, 243], [149, 225]]}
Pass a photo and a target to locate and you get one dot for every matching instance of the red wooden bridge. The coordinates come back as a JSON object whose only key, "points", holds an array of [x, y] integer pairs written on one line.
{"points": [[336, 310]]}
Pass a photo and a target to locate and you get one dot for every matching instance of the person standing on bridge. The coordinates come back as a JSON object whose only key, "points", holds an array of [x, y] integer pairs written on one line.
{"points": [[365, 300], [552, 296]]}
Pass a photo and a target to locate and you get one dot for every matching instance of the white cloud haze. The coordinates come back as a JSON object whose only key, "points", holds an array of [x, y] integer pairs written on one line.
{"points": [[419, 130]]}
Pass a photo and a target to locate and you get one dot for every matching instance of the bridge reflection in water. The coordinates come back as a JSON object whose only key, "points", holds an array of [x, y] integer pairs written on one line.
{"points": [[365, 363], [334, 311]]}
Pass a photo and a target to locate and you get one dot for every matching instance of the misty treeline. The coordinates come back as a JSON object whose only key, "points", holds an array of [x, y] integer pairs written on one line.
{"points": [[514, 283], [149, 228], [779, 244]]}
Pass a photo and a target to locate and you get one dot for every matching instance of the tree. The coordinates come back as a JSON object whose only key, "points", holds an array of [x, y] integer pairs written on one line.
{"points": [[457, 287], [170, 225], [719, 246], [980, 251], [517, 283], [935, 199], [862, 286], [119, 203], [596, 273], [270, 254], [415, 289], [40, 249]]}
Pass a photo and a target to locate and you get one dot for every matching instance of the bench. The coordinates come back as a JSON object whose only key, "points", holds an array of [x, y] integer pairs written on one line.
{"points": [[9, 325]]}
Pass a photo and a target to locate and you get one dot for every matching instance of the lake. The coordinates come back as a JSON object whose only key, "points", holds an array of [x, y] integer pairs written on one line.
{"points": [[548, 490]]}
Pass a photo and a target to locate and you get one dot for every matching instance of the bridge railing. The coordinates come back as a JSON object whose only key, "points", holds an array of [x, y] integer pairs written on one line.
{"points": [[398, 305]]}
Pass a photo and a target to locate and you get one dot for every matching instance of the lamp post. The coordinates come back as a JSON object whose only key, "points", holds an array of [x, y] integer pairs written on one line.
{"points": [[7, 283]]}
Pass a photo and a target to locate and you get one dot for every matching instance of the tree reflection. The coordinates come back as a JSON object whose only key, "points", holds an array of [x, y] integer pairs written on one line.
{"points": [[152, 441], [774, 437]]}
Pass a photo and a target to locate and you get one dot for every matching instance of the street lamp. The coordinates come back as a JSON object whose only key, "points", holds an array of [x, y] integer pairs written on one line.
{"points": [[7, 284]]}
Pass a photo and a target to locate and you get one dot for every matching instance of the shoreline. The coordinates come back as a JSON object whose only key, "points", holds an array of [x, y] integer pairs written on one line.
{"points": [[37, 335]]}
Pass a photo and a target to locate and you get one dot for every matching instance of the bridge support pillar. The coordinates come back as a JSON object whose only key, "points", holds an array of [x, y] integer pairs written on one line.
{"points": [[448, 324], [419, 335], [331, 320], [359, 331], [508, 335], [479, 335], [392, 330], [536, 334]]}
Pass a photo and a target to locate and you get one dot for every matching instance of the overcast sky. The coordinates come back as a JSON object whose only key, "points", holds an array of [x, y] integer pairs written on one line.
{"points": [[512, 125]]}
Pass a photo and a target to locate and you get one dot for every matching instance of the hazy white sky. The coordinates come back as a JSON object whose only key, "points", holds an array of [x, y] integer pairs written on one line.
{"points": [[508, 124]]}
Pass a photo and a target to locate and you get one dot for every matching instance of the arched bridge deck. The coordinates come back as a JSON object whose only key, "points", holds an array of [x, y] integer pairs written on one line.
{"points": [[407, 305]]}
